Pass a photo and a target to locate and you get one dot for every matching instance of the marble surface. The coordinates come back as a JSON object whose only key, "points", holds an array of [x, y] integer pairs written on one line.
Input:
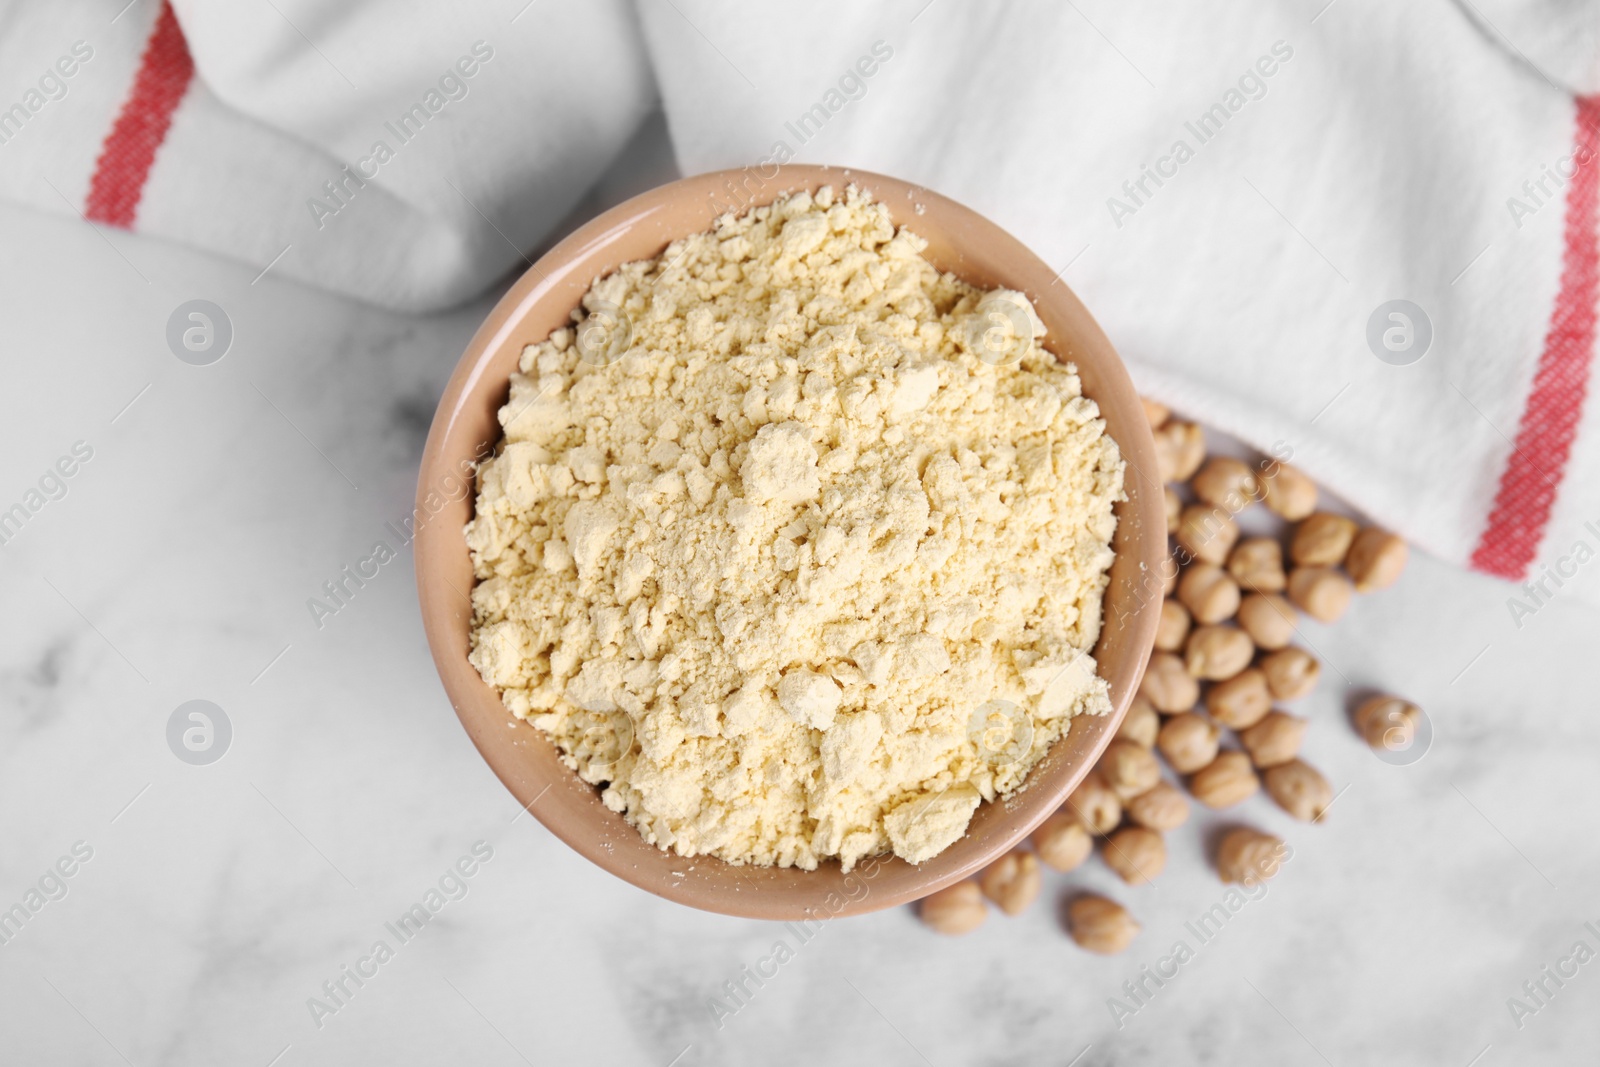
{"points": [[219, 899]]}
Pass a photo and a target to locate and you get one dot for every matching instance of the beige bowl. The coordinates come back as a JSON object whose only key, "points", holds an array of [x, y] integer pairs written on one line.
{"points": [[465, 429]]}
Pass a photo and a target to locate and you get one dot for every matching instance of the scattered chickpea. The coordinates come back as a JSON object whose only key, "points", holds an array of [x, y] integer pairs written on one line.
{"points": [[1248, 856], [1012, 881], [1128, 768], [1162, 808], [1180, 449], [1135, 854], [1275, 739], [1209, 594], [1228, 483], [1225, 781], [954, 910], [1257, 563], [1321, 592], [1269, 620], [1299, 789], [1387, 722], [1241, 701], [1375, 559], [1189, 741], [1288, 492], [1322, 540], [1174, 509], [1141, 724], [1217, 651], [1291, 673], [1100, 925], [1062, 842], [1168, 685], [1095, 805], [1156, 412], [1207, 533], [1169, 574], [1173, 627]]}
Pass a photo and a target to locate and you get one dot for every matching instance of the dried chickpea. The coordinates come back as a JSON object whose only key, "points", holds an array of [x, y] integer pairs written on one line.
{"points": [[1217, 651], [1241, 701], [1375, 559], [1275, 739], [1062, 842], [1135, 855], [1100, 925], [1141, 724], [1228, 483], [1288, 492], [1180, 449], [1299, 789], [1174, 509], [1257, 563], [1387, 722], [1209, 594], [1173, 626], [1161, 808], [1322, 540], [1269, 619], [1155, 412], [1189, 741], [1168, 685], [1169, 574], [1095, 805], [1248, 856], [1207, 533], [1128, 768], [955, 909], [1291, 673], [1012, 881], [1225, 781], [1321, 592]]}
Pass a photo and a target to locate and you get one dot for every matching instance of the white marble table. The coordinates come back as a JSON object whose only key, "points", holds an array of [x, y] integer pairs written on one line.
{"points": [[219, 899]]}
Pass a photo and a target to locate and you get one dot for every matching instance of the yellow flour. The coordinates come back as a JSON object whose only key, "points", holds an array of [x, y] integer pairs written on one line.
{"points": [[795, 542]]}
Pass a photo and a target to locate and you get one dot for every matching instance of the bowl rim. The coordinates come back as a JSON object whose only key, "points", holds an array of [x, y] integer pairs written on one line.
{"points": [[753, 891]]}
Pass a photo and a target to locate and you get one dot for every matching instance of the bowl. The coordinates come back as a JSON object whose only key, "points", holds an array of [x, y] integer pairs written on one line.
{"points": [[465, 431]]}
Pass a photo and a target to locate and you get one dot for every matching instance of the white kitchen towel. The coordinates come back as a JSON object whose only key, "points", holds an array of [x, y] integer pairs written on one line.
{"points": [[1359, 230]]}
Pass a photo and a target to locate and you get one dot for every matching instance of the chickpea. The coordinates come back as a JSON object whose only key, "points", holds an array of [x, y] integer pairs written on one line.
{"points": [[1375, 559], [1225, 781], [1141, 724], [1209, 594], [1387, 722], [1169, 574], [1100, 925], [1012, 881], [1135, 854], [1241, 701], [1217, 651], [1275, 739], [1062, 842], [1322, 540], [1173, 627], [1257, 563], [954, 910], [1288, 492], [1226, 482], [1155, 412], [1299, 789], [1291, 673], [1168, 685], [1174, 509], [1189, 741], [1095, 804], [1248, 856], [1180, 449], [1321, 592], [1207, 533], [1269, 619], [1128, 769], [1162, 808]]}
